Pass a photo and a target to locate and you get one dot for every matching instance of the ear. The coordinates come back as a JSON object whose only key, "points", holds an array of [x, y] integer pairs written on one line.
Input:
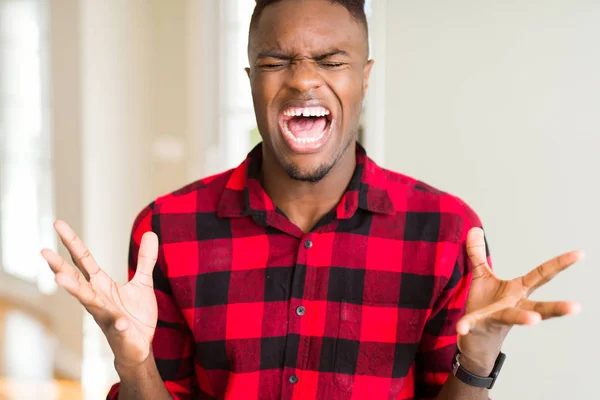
{"points": [[247, 71], [366, 74]]}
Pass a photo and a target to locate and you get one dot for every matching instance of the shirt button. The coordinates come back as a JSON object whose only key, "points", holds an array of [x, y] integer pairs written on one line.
{"points": [[301, 310], [293, 379], [308, 244]]}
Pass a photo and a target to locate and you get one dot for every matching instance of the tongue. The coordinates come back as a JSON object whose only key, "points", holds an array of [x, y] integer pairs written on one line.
{"points": [[307, 127]]}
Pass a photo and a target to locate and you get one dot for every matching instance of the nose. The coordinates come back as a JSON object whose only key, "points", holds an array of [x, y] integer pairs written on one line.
{"points": [[304, 76]]}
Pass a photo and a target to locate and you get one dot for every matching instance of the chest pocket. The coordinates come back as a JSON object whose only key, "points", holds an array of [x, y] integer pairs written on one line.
{"points": [[367, 352]]}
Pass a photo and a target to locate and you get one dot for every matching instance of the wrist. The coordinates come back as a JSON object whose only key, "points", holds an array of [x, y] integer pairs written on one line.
{"points": [[477, 367], [129, 372]]}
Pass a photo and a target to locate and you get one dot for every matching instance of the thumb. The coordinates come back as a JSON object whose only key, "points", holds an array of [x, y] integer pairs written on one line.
{"points": [[476, 250], [147, 256]]}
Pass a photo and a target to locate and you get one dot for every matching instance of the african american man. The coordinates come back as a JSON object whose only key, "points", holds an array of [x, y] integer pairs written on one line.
{"points": [[307, 272]]}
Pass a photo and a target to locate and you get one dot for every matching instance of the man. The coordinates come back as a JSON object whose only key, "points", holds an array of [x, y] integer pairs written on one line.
{"points": [[308, 272]]}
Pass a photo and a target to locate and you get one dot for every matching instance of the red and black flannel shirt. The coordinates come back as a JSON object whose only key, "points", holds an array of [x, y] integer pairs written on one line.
{"points": [[362, 306]]}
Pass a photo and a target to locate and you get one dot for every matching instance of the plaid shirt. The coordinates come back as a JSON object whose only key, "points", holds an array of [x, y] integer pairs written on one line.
{"points": [[362, 306]]}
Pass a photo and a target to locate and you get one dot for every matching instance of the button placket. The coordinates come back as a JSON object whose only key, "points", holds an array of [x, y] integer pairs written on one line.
{"points": [[300, 310]]}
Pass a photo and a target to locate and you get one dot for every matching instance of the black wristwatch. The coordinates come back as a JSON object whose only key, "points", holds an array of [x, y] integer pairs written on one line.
{"points": [[476, 380]]}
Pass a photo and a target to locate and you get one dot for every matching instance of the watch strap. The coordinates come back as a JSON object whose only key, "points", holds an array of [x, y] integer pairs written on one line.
{"points": [[476, 380]]}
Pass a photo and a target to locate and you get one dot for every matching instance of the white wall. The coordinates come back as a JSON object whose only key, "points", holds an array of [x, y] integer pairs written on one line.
{"points": [[499, 103]]}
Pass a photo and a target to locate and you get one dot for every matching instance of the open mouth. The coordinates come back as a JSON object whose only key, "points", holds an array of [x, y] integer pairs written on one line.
{"points": [[306, 128]]}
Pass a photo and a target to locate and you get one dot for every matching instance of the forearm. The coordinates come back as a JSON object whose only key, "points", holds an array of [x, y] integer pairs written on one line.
{"points": [[455, 389], [142, 383]]}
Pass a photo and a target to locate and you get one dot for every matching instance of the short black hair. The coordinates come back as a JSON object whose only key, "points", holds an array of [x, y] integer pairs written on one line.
{"points": [[356, 8]]}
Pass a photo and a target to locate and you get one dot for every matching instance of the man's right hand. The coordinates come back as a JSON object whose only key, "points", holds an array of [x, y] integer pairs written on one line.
{"points": [[126, 313]]}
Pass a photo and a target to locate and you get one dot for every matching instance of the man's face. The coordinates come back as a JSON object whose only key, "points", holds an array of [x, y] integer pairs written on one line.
{"points": [[308, 73]]}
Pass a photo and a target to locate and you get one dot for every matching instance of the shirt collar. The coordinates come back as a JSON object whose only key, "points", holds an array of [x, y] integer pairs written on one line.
{"points": [[244, 195]]}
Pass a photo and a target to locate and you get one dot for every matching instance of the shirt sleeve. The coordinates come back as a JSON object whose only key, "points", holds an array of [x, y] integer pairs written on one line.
{"points": [[173, 342], [433, 362]]}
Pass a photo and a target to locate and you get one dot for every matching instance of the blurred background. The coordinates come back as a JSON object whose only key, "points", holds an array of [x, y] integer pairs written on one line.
{"points": [[106, 104]]}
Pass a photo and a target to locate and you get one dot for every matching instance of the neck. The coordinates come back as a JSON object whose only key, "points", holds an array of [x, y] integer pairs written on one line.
{"points": [[306, 203]]}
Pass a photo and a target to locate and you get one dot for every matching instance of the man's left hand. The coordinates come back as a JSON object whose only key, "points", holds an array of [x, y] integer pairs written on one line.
{"points": [[495, 305]]}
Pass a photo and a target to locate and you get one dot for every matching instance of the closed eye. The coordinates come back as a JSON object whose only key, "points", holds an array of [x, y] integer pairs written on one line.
{"points": [[273, 66], [331, 65]]}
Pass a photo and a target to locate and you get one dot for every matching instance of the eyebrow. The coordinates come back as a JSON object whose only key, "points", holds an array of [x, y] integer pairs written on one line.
{"points": [[282, 56]]}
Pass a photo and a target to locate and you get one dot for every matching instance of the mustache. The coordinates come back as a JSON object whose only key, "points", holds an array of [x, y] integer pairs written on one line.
{"points": [[305, 97]]}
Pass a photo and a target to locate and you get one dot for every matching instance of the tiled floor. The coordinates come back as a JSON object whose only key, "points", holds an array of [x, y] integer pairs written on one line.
{"points": [[26, 351]]}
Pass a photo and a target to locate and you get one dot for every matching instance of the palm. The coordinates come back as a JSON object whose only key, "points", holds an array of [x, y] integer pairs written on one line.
{"points": [[139, 304], [487, 289], [126, 313], [495, 305]]}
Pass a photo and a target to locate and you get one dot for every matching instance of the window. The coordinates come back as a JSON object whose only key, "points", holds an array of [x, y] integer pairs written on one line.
{"points": [[26, 198]]}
